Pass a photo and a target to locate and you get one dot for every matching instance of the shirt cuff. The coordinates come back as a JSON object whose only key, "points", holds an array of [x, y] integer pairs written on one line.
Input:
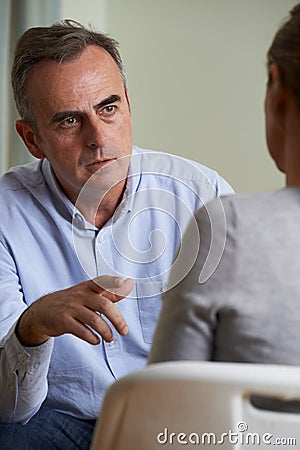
{"points": [[20, 357]]}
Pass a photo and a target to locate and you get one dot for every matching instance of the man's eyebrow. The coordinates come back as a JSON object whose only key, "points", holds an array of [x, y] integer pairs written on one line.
{"points": [[108, 101], [62, 115]]}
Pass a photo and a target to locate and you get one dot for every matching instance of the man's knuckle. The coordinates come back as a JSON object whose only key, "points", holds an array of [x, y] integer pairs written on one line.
{"points": [[105, 304], [95, 320]]}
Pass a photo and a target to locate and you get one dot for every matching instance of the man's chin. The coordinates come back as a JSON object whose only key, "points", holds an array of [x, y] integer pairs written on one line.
{"points": [[102, 183]]}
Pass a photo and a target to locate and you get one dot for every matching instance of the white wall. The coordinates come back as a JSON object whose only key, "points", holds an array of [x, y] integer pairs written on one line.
{"points": [[196, 75]]}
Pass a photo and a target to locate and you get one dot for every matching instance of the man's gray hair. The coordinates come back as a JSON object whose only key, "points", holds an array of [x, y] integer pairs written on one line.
{"points": [[61, 42]]}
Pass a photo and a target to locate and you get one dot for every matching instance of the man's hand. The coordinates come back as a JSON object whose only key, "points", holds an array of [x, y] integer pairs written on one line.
{"points": [[76, 311]]}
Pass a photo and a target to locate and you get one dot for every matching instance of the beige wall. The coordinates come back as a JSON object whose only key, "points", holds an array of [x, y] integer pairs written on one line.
{"points": [[86, 12], [196, 76]]}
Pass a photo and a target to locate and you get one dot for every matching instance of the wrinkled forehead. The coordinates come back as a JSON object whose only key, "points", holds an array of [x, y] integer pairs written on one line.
{"points": [[94, 73], [91, 58]]}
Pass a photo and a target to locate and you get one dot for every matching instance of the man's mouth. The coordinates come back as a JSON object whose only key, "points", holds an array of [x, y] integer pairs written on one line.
{"points": [[96, 165]]}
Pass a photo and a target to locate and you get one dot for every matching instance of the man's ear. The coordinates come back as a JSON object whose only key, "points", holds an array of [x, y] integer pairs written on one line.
{"points": [[29, 138]]}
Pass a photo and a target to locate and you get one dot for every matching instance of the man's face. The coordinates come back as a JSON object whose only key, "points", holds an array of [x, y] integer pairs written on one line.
{"points": [[83, 119]]}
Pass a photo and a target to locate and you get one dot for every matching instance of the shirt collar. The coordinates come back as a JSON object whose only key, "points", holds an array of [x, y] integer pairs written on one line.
{"points": [[132, 183], [126, 204], [54, 187]]}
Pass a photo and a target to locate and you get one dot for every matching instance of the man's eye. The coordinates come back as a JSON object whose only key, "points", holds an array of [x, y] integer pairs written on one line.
{"points": [[69, 122], [108, 110]]}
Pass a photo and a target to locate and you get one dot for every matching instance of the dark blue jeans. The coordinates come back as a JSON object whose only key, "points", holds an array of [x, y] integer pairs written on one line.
{"points": [[47, 430]]}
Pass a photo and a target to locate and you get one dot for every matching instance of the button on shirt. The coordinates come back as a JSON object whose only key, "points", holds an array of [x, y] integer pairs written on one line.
{"points": [[47, 245]]}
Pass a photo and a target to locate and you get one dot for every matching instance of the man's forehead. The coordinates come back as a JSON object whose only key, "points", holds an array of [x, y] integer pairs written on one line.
{"points": [[94, 72], [92, 56]]}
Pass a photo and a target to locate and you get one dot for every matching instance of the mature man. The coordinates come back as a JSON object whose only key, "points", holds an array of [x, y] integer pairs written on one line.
{"points": [[77, 226]]}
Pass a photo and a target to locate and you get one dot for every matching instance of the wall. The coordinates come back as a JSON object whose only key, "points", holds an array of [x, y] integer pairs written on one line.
{"points": [[196, 75], [15, 17], [87, 12]]}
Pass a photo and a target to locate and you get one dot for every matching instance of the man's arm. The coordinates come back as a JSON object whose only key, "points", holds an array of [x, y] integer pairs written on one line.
{"points": [[19, 396], [25, 351]]}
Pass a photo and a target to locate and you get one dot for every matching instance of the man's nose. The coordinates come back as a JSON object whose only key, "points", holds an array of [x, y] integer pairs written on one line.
{"points": [[95, 133]]}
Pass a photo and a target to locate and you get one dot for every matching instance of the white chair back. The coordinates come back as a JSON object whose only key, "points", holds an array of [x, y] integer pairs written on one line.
{"points": [[189, 405]]}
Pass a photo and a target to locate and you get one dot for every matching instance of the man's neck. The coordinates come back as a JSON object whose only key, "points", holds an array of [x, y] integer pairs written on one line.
{"points": [[100, 211]]}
